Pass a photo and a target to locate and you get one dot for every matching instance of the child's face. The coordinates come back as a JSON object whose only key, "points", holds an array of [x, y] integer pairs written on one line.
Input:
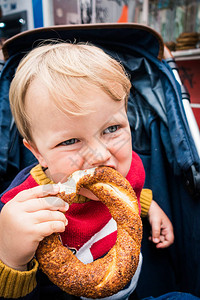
{"points": [[66, 143]]}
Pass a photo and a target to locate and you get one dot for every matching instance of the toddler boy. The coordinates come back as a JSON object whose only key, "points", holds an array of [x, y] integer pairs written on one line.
{"points": [[69, 103]]}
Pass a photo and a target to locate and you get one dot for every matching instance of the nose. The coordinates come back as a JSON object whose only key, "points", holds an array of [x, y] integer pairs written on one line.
{"points": [[96, 154]]}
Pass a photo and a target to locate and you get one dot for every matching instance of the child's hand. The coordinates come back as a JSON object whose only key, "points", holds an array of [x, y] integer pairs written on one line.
{"points": [[26, 220], [162, 229]]}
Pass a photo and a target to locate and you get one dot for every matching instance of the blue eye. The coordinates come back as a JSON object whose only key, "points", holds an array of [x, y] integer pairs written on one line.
{"points": [[111, 129], [69, 142]]}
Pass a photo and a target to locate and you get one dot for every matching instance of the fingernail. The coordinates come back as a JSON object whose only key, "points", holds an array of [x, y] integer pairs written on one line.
{"points": [[156, 240]]}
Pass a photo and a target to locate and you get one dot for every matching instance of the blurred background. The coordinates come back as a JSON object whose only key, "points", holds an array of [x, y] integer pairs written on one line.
{"points": [[169, 17]]}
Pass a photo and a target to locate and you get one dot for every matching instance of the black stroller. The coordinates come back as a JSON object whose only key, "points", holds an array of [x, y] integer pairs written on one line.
{"points": [[160, 133]]}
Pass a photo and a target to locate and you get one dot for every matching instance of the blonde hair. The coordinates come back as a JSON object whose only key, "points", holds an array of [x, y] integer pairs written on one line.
{"points": [[64, 67]]}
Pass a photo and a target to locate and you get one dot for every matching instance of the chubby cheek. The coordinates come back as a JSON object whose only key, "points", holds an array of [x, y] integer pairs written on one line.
{"points": [[124, 158], [124, 163], [62, 168]]}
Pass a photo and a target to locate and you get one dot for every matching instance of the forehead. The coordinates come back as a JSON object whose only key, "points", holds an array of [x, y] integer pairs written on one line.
{"points": [[75, 100]]}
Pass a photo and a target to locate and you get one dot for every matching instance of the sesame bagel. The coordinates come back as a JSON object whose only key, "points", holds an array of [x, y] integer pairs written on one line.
{"points": [[108, 275]]}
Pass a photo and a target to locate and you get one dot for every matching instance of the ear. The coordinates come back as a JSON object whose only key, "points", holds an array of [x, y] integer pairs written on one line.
{"points": [[35, 152]]}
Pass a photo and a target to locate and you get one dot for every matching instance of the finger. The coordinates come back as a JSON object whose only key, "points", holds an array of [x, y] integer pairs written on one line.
{"points": [[47, 203], [154, 240], [56, 202], [38, 192], [163, 244], [170, 237], [168, 232], [162, 238], [156, 232], [166, 240], [47, 228], [48, 215]]}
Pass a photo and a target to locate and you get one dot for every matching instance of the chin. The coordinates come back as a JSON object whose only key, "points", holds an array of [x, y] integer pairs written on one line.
{"points": [[86, 193]]}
